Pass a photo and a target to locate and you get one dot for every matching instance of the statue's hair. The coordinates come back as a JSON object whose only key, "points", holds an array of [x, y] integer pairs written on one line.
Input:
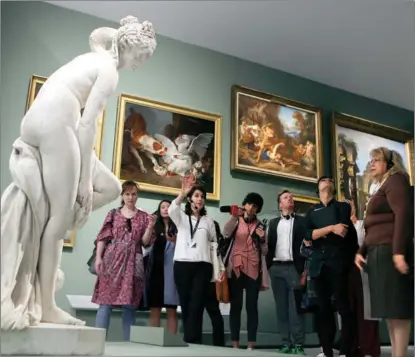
{"points": [[132, 33]]}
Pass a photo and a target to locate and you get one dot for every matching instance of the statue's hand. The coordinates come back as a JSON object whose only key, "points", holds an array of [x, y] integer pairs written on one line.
{"points": [[84, 197]]}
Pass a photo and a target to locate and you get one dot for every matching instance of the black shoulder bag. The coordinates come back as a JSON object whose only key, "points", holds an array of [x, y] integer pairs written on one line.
{"points": [[91, 260], [225, 245]]}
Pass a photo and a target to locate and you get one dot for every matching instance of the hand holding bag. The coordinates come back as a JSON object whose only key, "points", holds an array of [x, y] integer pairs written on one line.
{"points": [[215, 261], [92, 258], [222, 287], [222, 290]]}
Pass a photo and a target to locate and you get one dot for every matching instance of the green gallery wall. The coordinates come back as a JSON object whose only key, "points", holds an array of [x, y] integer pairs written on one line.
{"points": [[38, 38]]}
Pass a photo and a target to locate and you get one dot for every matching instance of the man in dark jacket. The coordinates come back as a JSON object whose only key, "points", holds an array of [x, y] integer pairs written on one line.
{"points": [[285, 266], [334, 236]]}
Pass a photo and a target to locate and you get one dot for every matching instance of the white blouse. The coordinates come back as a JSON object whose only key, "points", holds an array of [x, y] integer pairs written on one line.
{"points": [[198, 248]]}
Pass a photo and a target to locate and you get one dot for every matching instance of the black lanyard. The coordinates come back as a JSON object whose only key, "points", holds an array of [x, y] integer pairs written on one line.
{"points": [[193, 231]]}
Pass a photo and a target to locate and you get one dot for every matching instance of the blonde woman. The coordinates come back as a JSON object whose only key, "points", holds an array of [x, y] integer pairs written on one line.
{"points": [[388, 247]]}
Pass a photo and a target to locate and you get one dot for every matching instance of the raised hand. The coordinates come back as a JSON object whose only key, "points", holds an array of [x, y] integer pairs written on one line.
{"points": [[187, 184], [151, 221]]}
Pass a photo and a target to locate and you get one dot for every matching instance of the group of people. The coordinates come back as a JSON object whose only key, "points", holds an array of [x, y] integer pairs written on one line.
{"points": [[179, 269], [312, 263]]}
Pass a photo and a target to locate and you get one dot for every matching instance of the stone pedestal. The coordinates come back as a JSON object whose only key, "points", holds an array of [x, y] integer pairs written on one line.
{"points": [[54, 340], [156, 336]]}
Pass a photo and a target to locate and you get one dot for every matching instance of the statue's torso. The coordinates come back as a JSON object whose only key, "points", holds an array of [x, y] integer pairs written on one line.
{"points": [[65, 93]]}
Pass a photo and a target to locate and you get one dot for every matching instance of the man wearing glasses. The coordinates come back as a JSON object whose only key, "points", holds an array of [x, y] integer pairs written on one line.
{"points": [[332, 234]]}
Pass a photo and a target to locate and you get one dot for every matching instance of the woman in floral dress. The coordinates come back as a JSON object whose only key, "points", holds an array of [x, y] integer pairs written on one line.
{"points": [[119, 259]]}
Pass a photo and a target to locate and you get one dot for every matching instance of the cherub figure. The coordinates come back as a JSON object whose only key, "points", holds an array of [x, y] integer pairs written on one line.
{"points": [[57, 178]]}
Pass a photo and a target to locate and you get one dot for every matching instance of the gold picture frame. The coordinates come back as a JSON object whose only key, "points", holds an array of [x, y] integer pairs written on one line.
{"points": [[162, 126], [353, 140], [304, 203], [410, 151], [275, 136], [36, 82]]}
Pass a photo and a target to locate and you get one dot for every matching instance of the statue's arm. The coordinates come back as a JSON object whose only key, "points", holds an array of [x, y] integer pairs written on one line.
{"points": [[104, 86]]}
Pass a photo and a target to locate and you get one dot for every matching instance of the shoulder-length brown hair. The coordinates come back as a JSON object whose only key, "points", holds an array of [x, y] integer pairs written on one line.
{"points": [[394, 160], [127, 185]]}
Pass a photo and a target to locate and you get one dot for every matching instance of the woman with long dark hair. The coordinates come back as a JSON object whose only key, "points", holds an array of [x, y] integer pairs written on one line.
{"points": [[162, 291], [193, 259]]}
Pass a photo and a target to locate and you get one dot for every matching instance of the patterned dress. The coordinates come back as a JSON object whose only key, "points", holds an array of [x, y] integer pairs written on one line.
{"points": [[122, 279]]}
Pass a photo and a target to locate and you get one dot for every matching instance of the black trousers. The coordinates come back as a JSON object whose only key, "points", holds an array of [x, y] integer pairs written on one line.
{"points": [[192, 282], [236, 289], [333, 283], [213, 310]]}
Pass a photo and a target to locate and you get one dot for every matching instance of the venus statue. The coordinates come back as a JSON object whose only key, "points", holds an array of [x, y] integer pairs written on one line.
{"points": [[57, 179]]}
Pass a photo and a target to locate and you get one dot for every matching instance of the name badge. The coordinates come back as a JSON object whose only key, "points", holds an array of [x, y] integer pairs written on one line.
{"points": [[191, 244]]}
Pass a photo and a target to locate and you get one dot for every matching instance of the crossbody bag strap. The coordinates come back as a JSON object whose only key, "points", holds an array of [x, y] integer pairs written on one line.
{"points": [[232, 239]]}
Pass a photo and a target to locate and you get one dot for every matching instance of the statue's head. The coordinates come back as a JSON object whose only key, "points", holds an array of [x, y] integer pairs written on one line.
{"points": [[134, 42]]}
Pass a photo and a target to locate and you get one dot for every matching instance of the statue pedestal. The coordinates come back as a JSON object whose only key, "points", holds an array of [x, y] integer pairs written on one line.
{"points": [[52, 339], [156, 336]]}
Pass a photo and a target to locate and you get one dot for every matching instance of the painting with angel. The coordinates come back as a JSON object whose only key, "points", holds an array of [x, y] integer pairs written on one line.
{"points": [[157, 144]]}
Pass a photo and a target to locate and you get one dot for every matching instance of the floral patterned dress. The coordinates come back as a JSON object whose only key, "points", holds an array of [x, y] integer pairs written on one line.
{"points": [[122, 279]]}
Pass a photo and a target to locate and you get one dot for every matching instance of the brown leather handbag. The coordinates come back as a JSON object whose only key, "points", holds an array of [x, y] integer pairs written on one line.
{"points": [[222, 290]]}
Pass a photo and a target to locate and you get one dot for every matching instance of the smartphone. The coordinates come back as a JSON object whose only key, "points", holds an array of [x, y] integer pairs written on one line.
{"points": [[234, 210], [364, 267]]}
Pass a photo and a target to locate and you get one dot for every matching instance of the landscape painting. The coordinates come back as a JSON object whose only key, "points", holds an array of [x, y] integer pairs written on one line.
{"points": [[275, 136], [36, 83], [157, 144], [354, 138], [304, 203]]}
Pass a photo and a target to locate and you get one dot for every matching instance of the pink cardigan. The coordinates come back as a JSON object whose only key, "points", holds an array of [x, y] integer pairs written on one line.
{"points": [[228, 229]]}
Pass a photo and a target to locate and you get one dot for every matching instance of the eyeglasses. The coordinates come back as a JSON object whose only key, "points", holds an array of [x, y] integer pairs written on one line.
{"points": [[374, 160]]}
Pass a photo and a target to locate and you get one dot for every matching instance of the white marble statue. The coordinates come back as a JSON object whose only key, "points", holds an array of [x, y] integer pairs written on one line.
{"points": [[57, 179]]}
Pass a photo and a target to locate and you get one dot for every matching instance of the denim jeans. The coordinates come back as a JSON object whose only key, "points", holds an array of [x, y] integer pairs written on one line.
{"points": [[128, 318]]}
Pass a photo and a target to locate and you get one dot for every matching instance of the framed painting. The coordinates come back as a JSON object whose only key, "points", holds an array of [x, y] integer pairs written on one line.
{"points": [[275, 136], [354, 138], [304, 203], [410, 151], [156, 144], [69, 239], [36, 82]]}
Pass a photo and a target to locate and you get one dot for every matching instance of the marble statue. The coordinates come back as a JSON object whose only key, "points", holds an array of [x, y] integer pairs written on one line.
{"points": [[57, 178]]}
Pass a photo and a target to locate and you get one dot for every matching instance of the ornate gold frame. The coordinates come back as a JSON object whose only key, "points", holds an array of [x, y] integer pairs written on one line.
{"points": [[305, 199], [409, 147], [124, 98], [282, 101], [368, 127], [39, 80]]}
